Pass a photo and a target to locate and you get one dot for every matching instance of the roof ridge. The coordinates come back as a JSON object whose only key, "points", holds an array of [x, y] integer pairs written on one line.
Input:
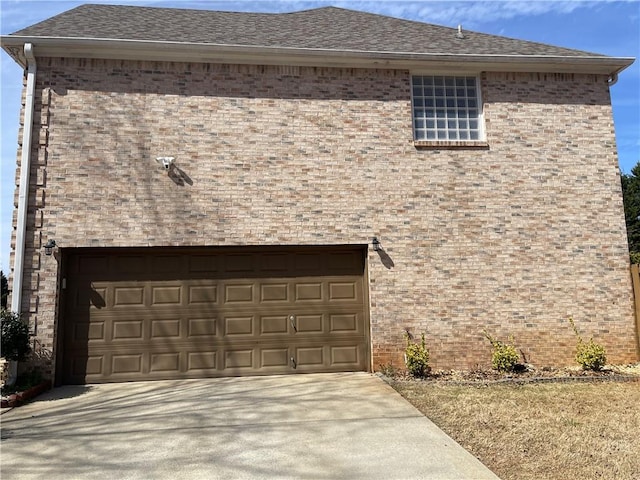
{"points": [[203, 10]]}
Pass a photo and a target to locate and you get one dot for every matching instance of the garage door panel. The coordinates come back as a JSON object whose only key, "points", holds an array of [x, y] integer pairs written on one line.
{"points": [[275, 264], [83, 364], [306, 324], [97, 298], [202, 327], [90, 264], [85, 331], [205, 361], [87, 296], [275, 292], [128, 330], [167, 264], [162, 329], [310, 356], [92, 366], [238, 293], [204, 263], [202, 294], [166, 295], [307, 263], [238, 359], [308, 292], [344, 355], [167, 314], [339, 291], [127, 364], [128, 296], [165, 362], [130, 264], [343, 323], [274, 358], [238, 326], [274, 325], [239, 263], [344, 263]]}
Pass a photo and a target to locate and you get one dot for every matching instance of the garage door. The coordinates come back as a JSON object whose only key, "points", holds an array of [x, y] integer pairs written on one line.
{"points": [[144, 314]]}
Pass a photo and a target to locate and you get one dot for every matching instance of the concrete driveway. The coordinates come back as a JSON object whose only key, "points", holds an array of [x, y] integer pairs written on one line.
{"points": [[320, 426]]}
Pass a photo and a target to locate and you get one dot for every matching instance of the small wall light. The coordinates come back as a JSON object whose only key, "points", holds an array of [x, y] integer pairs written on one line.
{"points": [[376, 244], [49, 246], [166, 162]]}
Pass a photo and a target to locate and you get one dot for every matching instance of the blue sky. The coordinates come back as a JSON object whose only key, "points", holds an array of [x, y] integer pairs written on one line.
{"points": [[607, 27]]}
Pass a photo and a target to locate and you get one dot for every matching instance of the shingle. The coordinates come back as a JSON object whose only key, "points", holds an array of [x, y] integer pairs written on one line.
{"points": [[327, 28]]}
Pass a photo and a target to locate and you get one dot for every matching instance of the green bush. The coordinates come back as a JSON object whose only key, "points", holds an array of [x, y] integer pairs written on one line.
{"points": [[590, 355], [634, 257], [504, 357], [417, 357], [15, 336]]}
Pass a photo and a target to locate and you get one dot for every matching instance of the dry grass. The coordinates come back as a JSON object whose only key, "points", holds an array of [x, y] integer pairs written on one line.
{"points": [[539, 431]]}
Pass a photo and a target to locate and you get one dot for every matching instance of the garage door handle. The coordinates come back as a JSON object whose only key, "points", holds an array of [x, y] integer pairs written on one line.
{"points": [[292, 319], [293, 363]]}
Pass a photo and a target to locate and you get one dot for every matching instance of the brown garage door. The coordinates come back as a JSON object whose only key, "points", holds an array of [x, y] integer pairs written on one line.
{"points": [[143, 314]]}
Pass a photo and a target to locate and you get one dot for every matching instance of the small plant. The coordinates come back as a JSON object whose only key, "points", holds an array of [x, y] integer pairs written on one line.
{"points": [[504, 357], [416, 357], [388, 370], [590, 355], [15, 336]]}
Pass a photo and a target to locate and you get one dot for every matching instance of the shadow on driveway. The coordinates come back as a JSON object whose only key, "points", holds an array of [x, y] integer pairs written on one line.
{"points": [[317, 426]]}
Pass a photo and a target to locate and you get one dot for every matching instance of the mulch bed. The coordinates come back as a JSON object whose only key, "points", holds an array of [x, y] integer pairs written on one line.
{"points": [[18, 398], [624, 373]]}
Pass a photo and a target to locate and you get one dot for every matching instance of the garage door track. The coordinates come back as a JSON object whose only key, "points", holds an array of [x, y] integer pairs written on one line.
{"points": [[317, 426]]}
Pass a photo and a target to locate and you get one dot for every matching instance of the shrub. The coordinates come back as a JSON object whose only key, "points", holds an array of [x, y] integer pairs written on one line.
{"points": [[15, 336], [504, 357], [417, 357], [634, 257], [590, 355]]}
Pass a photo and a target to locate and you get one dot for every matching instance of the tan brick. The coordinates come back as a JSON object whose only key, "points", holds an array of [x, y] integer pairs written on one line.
{"points": [[513, 238]]}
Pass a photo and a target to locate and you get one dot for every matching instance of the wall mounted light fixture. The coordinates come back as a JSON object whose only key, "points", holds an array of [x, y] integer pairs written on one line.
{"points": [[166, 162], [49, 246], [376, 244]]}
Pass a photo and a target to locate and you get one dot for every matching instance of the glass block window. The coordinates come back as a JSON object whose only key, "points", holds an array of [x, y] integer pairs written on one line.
{"points": [[446, 108]]}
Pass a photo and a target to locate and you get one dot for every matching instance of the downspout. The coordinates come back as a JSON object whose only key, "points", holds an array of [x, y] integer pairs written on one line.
{"points": [[23, 192]]}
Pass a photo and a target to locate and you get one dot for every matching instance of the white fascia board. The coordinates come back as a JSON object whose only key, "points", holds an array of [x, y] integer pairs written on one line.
{"points": [[242, 54]]}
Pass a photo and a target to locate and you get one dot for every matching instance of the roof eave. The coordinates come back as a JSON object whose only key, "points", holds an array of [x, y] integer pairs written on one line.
{"points": [[216, 53]]}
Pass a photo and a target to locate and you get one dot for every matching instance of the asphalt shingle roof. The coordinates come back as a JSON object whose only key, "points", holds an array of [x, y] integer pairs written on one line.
{"points": [[327, 28]]}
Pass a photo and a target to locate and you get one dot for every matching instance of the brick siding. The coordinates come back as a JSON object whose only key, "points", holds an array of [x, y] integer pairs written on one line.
{"points": [[513, 238]]}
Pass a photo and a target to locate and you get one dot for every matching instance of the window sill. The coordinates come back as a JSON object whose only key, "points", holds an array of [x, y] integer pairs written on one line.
{"points": [[451, 144]]}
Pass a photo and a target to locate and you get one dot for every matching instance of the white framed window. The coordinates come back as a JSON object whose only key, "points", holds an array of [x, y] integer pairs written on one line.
{"points": [[446, 108]]}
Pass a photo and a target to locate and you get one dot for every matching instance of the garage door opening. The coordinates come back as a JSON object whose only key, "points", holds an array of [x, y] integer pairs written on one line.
{"points": [[166, 313]]}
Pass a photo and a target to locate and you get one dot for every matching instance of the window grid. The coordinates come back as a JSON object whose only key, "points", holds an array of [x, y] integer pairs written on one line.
{"points": [[445, 108]]}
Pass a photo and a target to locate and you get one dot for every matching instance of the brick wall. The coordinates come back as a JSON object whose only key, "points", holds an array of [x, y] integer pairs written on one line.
{"points": [[513, 238]]}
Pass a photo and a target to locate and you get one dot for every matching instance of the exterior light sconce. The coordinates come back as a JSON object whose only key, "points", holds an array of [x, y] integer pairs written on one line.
{"points": [[49, 246], [376, 244], [166, 162]]}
